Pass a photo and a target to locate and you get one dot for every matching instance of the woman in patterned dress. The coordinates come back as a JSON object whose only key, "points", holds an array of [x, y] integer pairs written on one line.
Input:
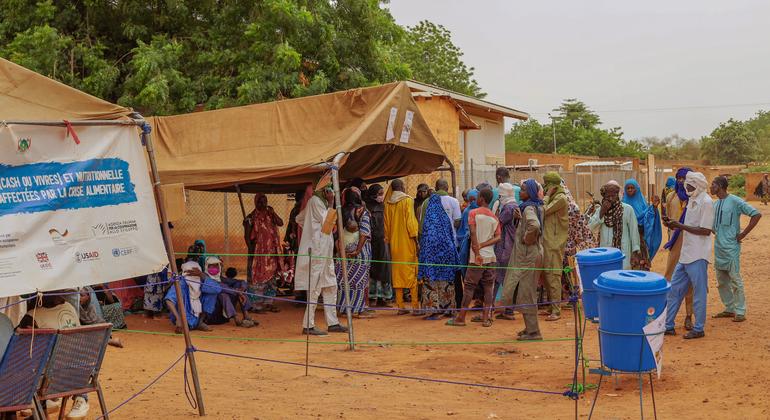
{"points": [[358, 253], [265, 245]]}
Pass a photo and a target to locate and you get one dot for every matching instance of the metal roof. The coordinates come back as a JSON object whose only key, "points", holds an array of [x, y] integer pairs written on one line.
{"points": [[468, 101]]}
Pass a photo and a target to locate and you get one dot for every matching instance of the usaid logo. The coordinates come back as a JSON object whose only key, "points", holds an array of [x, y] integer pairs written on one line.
{"points": [[122, 252], [86, 256]]}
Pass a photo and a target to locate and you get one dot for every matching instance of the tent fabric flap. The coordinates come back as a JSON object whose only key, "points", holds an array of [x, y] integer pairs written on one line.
{"points": [[277, 146], [26, 95]]}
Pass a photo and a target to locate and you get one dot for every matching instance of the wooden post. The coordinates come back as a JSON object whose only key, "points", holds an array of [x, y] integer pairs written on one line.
{"points": [[341, 249], [172, 263]]}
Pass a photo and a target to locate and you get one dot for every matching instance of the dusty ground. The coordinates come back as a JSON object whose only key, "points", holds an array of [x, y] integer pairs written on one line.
{"points": [[724, 376]]}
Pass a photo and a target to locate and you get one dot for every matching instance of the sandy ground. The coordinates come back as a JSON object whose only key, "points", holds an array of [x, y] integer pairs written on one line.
{"points": [[723, 376]]}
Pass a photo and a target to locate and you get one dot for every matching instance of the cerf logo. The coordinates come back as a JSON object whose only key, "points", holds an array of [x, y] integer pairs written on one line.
{"points": [[24, 144]]}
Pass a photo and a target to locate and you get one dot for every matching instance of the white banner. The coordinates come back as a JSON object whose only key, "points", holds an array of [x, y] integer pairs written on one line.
{"points": [[75, 214]]}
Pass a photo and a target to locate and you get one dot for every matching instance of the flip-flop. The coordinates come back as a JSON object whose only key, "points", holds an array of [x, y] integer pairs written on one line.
{"points": [[507, 317], [487, 323], [724, 314], [453, 323], [477, 318], [434, 317]]}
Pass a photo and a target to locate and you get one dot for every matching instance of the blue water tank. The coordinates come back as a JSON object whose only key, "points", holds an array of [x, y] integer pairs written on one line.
{"points": [[591, 263], [628, 300]]}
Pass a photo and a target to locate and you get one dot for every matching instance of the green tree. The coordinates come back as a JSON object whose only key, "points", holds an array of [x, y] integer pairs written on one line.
{"points": [[170, 56], [577, 130], [433, 58], [733, 142], [673, 147]]}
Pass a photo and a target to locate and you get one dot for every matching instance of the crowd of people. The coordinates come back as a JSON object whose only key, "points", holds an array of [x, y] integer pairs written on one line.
{"points": [[503, 247]]}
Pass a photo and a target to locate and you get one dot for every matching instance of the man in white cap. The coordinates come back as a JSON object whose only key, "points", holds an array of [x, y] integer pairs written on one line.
{"points": [[692, 268]]}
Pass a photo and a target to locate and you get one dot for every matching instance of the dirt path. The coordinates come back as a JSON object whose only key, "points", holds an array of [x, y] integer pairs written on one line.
{"points": [[724, 376]]}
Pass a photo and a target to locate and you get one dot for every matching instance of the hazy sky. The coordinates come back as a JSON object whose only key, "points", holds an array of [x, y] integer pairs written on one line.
{"points": [[615, 55]]}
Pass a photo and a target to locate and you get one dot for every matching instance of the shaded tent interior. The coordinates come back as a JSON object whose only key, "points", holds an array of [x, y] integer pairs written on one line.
{"points": [[279, 147]]}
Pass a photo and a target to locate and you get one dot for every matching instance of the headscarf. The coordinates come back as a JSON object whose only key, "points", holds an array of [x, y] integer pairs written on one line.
{"points": [[352, 204], [535, 193], [198, 255], [194, 287], [698, 181], [437, 246], [321, 193], [613, 218], [213, 260], [646, 217], [417, 200], [670, 182], [507, 193], [681, 191], [553, 179]]}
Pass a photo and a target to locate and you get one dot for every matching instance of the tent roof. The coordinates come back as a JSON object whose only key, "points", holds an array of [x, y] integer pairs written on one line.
{"points": [[26, 95], [281, 146]]}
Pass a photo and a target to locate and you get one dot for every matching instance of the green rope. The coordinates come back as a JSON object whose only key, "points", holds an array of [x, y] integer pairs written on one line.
{"points": [[358, 343], [566, 270]]}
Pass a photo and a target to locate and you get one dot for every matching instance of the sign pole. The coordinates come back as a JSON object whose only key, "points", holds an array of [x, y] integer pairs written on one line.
{"points": [[172, 263]]}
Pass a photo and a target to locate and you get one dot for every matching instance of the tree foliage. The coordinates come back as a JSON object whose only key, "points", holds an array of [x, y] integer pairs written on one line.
{"points": [[577, 130], [164, 57], [733, 142], [433, 58], [673, 147]]}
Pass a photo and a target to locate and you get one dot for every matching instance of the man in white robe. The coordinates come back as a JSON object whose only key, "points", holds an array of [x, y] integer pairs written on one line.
{"points": [[317, 277]]}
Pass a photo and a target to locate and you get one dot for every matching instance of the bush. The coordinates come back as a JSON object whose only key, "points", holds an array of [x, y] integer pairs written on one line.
{"points": [[737, 185]]}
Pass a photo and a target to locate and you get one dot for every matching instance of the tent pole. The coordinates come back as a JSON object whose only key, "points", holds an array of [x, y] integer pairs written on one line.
{"points": [[249, 246], [452, 173], [240, 200], [341, 248], [172, 262]]}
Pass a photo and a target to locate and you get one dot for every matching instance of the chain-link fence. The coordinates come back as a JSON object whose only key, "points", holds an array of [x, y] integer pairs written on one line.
{"points": [[217, 218]]}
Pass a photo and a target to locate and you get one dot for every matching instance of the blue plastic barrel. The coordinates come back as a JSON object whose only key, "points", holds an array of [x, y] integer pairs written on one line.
{"points": [[628, 300], [591, 263]]}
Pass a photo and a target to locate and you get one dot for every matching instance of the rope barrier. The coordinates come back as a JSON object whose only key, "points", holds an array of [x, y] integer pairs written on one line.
{"points": [[567, 393], [380, 308], [146, 387], [363, 343], [565, 269]]}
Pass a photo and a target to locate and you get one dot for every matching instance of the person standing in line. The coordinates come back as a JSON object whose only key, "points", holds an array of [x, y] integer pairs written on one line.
{"points": [[676, 209], [526, 259], [380, 290], [356, 236], [464, 244], [485, 233], [423, 192], [648, 221], [692, 268], [438, 259], [508, 215], [617, 222], [727, 248], [502, 176], [401, 236], [263, 240], [317, 220], [555, 232]]}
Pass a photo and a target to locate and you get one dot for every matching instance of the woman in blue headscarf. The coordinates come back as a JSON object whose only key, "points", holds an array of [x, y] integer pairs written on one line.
{"points": [[648, 219], [438, 260], [463, 232]]}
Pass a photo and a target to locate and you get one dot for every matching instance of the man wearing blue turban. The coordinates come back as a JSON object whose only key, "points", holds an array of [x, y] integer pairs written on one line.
{"points": [[648, 220]]}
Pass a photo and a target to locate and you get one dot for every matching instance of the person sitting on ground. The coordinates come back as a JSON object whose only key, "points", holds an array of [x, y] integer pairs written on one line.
{"points": [[56, 313], [90, 313], [485, 233], [236, 290], [224, 307], [199, 293]]}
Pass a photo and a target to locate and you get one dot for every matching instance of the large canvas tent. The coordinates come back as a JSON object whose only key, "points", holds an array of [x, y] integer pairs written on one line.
{"points": [[26, 95], [280, 146]]}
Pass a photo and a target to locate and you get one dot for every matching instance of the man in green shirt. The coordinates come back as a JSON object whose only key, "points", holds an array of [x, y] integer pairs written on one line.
{"points": [[727, 248]]}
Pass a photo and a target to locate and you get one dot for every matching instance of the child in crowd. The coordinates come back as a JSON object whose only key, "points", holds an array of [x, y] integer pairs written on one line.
{"points": [[485, 232], [350, 237], [236, 289]]}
